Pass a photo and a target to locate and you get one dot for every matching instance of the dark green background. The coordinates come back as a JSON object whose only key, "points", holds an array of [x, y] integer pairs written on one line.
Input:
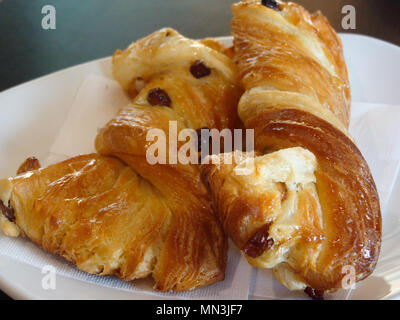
{"points": [[92, 29]]}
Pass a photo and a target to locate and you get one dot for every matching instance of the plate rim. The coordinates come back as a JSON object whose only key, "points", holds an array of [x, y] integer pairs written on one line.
{"points": [[18, 292]]}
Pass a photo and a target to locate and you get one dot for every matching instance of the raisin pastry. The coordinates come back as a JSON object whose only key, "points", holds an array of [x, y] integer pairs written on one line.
{"points": [[93, 211], [119, 213], [184, 84], [310, 208]]}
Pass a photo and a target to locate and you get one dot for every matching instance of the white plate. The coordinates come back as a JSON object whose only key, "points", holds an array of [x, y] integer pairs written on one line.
{"points": [[31, 115]]}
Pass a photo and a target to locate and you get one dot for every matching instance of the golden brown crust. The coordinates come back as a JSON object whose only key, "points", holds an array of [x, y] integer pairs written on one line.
{"points": [[98, 213], [297, 95], [29, 164], [131, 218], [286, 51], [194, 103], [346, 191], [93, 211], [272, 212]]}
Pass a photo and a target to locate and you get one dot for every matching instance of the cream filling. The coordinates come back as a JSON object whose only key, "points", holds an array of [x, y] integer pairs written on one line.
{"points": [[294, 167]]}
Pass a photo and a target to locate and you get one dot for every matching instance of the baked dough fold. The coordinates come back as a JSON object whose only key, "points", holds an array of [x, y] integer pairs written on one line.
{"points": [[115, 212], [297, 100]]}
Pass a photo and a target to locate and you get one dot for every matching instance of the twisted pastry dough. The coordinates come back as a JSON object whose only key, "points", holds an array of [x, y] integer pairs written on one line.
{"points": [[90, 210], [312, 209], [167, 62], [135, 219]]}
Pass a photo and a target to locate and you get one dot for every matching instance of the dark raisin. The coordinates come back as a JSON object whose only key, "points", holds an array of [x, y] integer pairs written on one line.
{"points": [[199, 70], [271, 4], [315, 294], [8, 211], [259, 242], [158, 97]]}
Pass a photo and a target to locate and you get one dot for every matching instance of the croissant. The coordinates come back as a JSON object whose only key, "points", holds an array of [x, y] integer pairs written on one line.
{"points": [[93, 211], [309, 208], [118, 213]]}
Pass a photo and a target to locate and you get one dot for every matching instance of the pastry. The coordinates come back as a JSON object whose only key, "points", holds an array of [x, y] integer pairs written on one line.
{"points": [[115, 212], [309, 209]]}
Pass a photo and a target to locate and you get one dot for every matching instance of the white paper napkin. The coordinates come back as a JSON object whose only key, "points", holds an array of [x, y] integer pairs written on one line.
{"points": [[97, 101]]}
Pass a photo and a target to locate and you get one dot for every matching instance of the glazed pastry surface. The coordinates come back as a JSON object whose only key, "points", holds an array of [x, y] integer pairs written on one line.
{"points": [[297, 96], [117, 213], [93, 211]]}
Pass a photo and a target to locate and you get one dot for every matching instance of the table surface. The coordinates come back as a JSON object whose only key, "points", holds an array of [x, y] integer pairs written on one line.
{"points": [[91, 29]]}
